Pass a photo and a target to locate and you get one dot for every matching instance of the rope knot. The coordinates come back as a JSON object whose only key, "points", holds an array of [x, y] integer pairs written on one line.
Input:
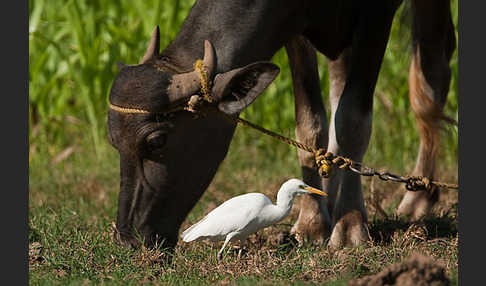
{"points": [[416, 183], [194, 103], [324, 162], [342, 162]]}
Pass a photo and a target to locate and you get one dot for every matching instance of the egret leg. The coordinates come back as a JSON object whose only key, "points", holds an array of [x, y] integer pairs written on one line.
{"points": [[242, 244], [228, 238]]}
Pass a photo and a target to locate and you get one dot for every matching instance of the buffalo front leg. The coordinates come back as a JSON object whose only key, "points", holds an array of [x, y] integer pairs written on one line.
{"points": [[345, 199], [434, 42], [311, 129], [353, 78]]}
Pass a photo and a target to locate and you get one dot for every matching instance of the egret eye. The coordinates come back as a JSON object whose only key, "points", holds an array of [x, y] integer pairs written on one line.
{"points": [[156, 140]]}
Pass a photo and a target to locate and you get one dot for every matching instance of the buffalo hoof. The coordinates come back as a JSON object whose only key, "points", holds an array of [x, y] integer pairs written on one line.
{"points": [[417, 205], [312, 225], [350, 230]]}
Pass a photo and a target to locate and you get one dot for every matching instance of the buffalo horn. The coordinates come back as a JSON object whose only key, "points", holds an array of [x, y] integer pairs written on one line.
{"points": [[186, 84]]}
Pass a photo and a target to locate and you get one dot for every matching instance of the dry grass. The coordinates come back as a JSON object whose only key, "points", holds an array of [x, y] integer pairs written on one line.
{"points": [[274, 257], [73, 204]]}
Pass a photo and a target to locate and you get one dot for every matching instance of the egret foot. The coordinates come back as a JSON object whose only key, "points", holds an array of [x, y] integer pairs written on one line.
{"points": [[351, 230], [239, 249], [418, 204]]}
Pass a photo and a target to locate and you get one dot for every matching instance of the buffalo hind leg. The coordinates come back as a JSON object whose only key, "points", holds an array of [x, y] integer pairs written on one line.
{"points": [[351, 118], [311, 129], [434, 42]]}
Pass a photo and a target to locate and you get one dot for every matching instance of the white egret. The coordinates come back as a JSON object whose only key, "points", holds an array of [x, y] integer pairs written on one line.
{"points": [[243, 215]]}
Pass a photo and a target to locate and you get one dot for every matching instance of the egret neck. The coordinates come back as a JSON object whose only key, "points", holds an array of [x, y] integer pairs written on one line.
{"points": [[282, 208]]}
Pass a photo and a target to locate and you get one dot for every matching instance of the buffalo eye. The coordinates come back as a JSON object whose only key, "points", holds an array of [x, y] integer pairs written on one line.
{"points": [[156, 140]]}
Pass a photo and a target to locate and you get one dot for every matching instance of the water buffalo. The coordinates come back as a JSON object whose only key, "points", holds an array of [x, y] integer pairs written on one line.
{"points": [[168, 161]]}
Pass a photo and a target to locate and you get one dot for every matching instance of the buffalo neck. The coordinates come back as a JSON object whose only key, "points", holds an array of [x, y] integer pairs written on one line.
{"points": [[240, 39]]}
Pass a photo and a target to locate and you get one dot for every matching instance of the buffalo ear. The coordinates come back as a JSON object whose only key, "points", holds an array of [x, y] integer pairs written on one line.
{"points": [[237, 89]]}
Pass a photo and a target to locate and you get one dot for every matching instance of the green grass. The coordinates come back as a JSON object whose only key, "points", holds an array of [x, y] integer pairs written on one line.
{"points": [[73, 205], [73, 50]]}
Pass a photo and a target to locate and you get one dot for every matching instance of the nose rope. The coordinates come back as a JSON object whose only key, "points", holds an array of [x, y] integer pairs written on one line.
{"points": [[324, 162], [127, 109]]}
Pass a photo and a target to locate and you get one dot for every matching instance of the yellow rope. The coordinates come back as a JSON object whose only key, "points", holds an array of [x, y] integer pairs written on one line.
{"points": [[204, 78], [205, 90], [128, 110], [324, 161]]}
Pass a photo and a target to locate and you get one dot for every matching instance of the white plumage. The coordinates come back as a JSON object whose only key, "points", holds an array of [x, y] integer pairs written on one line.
{"points": [[243, 215]]}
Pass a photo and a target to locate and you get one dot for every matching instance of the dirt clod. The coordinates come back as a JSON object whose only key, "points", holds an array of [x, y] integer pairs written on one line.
{"points": [[418, 270]]}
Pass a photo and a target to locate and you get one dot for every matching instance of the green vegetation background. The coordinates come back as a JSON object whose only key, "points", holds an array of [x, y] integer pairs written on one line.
{"points": [[74, 47]]}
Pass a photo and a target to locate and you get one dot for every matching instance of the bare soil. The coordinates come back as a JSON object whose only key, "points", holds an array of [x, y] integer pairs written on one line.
{"points": [[418, 270]]}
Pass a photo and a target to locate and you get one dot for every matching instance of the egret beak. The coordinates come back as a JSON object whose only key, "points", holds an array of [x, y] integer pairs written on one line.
{"points": [[315, 191]]}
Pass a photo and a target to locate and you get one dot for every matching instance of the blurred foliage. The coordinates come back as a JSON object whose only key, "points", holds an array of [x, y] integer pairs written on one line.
{"points": [[74, 47]]}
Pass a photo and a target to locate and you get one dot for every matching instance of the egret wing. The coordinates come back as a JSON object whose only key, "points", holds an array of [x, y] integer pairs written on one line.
{"points": [[233, 215]]}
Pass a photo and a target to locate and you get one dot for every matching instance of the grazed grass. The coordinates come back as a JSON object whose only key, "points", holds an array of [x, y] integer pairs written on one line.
{"points": [[73, 205], [72, 254]]}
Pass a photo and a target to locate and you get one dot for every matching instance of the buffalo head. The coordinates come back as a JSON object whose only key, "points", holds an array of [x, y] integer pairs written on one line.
{"points": [[168, 160]]}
